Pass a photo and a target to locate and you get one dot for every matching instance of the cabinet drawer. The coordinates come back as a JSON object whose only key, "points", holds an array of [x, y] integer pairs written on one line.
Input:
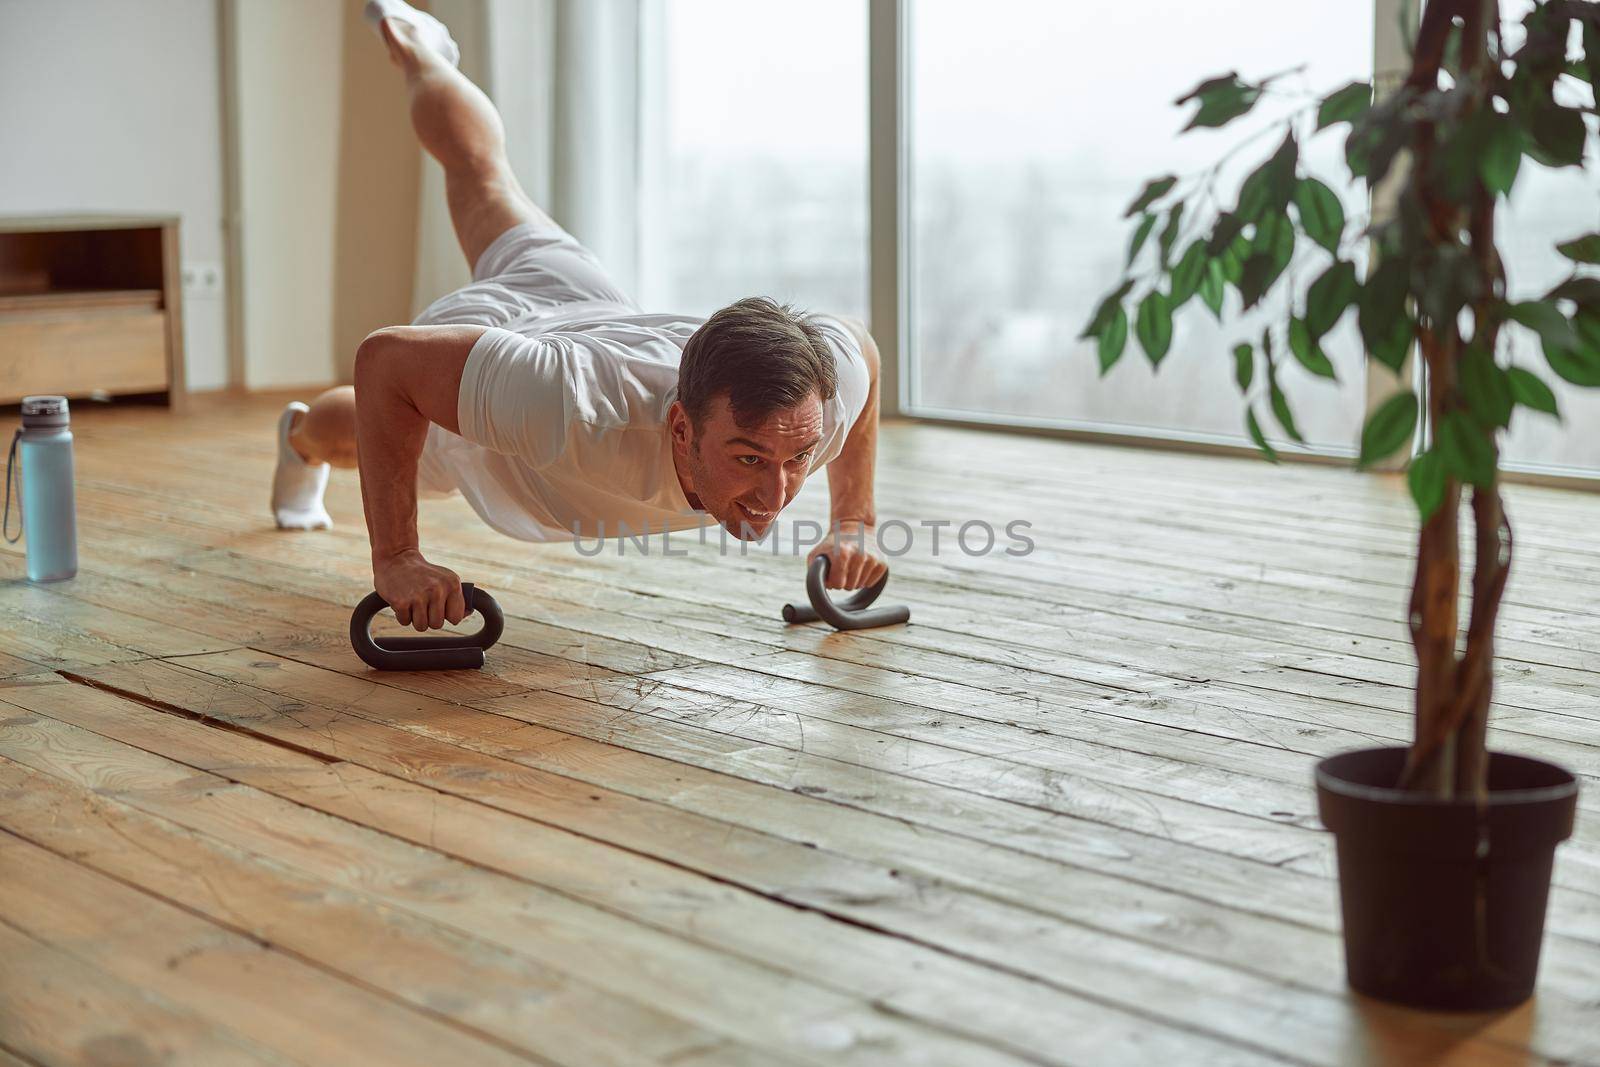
{"points": [[114, 350]]}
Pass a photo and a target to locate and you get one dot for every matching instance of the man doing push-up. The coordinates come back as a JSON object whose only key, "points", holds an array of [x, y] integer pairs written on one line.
{"points": [[556, 406]]}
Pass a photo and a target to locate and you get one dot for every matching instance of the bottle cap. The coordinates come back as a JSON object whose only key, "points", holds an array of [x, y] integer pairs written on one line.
{"points": [[44, 412]]}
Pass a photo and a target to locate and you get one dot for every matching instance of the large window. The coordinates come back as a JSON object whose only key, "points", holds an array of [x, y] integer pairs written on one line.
{"points": [[1031, 128], [754, 138], [1019, 132]]}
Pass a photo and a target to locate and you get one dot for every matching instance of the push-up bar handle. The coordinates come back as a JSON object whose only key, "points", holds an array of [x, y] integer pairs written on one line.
{"points": [[449, 652], [849, 614]]}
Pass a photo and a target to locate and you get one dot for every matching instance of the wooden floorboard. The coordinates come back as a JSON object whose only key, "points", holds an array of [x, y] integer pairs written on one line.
{"points": [[251, 987], [681, 629], [1063, 817]]}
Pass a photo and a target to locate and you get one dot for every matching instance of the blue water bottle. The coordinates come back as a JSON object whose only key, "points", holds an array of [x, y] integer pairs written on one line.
{"points": [[44, 496]]}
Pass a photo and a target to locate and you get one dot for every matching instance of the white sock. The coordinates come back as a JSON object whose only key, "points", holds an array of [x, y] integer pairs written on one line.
{"points": [[430, 31], [297, 486]]}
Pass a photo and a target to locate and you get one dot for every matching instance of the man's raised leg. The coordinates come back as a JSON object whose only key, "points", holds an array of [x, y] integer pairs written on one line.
{"points": [[460, 128]]}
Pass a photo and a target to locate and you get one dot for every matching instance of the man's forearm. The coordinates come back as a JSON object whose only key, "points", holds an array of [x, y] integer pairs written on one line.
{"points": [[390, 432], [850, 476]]}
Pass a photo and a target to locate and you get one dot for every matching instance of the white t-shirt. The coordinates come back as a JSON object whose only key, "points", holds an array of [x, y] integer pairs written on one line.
{"points": [[564, 423]]}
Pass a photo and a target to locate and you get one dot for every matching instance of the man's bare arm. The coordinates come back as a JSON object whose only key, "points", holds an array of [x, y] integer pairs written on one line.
{"points": [[850, 486], [850, 475], [405, 378]]}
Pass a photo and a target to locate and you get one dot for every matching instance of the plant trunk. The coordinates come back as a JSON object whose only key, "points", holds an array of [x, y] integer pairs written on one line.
{"points": [[1476, 672], [1435, 589], [1449, 757]]}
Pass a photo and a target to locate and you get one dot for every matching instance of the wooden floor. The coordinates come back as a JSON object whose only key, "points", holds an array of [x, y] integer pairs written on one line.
{"points": [[1065, 816]]}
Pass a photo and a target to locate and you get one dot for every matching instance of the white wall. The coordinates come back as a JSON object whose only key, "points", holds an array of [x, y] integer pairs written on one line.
{"points": [[287, 90], [107, 105]]}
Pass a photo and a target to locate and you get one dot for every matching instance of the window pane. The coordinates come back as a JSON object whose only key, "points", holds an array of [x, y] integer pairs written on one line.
{"points": [[1033, 127], [1546, 208], [754, 136]]}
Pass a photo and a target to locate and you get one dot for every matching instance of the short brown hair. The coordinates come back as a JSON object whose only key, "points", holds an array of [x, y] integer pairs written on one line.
{"points": [[764, 355]]}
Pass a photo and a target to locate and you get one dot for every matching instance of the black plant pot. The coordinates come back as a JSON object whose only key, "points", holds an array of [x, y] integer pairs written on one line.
{"points": [[1444, 903]]}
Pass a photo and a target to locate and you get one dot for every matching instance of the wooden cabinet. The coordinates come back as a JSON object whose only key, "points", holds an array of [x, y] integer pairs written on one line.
{"points": [[90, 305]]}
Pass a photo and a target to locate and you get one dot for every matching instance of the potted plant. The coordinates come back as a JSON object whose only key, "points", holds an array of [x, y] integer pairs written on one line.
{"points": [[1444, 848]]}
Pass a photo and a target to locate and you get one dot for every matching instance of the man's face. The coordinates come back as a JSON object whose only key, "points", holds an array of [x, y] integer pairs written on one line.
{"points": [[745, 475]]}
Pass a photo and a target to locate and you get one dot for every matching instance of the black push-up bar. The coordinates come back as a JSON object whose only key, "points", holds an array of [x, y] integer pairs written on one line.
{"points": [[849, 614], [450, 652]]}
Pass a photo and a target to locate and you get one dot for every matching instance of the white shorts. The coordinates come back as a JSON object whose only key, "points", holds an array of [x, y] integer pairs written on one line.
{"points": [[532, 268]]}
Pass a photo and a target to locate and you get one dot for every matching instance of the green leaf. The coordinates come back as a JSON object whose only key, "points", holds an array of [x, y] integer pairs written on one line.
{"points": [[1386, 329], [1169, 233], [1211, 287], [1280, 411], [1210, 85], [1585, 249], [1344, 105], [1558, 134], [1392, 348], [1591, 49], [1280, 403], [1155, 326], [1383, 295], [1581, 365], [1271, 250], [1586, 324], [1377, 136], [1153, 190], [1274, 238], [1188, 274], [1257, 436], [1146, 224], [1529, 390], [1221, 101], [1269, 186], [1321, 213], [1502, 155], [1546, 320], [1585, 292], [1102, 314], [1255, 280], [1329, 296], [1426, 479], [1486, 388], [1467, 450], [1389, 427], [1307, 351], [1223, 231], [1222, 108], [1112, 340], [1244, 365], [1233, 257]]}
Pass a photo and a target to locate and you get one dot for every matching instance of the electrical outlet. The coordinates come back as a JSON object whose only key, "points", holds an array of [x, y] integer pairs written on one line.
{"points": [[202, 281]]}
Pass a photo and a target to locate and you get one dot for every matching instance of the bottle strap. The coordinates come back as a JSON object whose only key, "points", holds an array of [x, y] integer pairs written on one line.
{"points": [[5, 520]]}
